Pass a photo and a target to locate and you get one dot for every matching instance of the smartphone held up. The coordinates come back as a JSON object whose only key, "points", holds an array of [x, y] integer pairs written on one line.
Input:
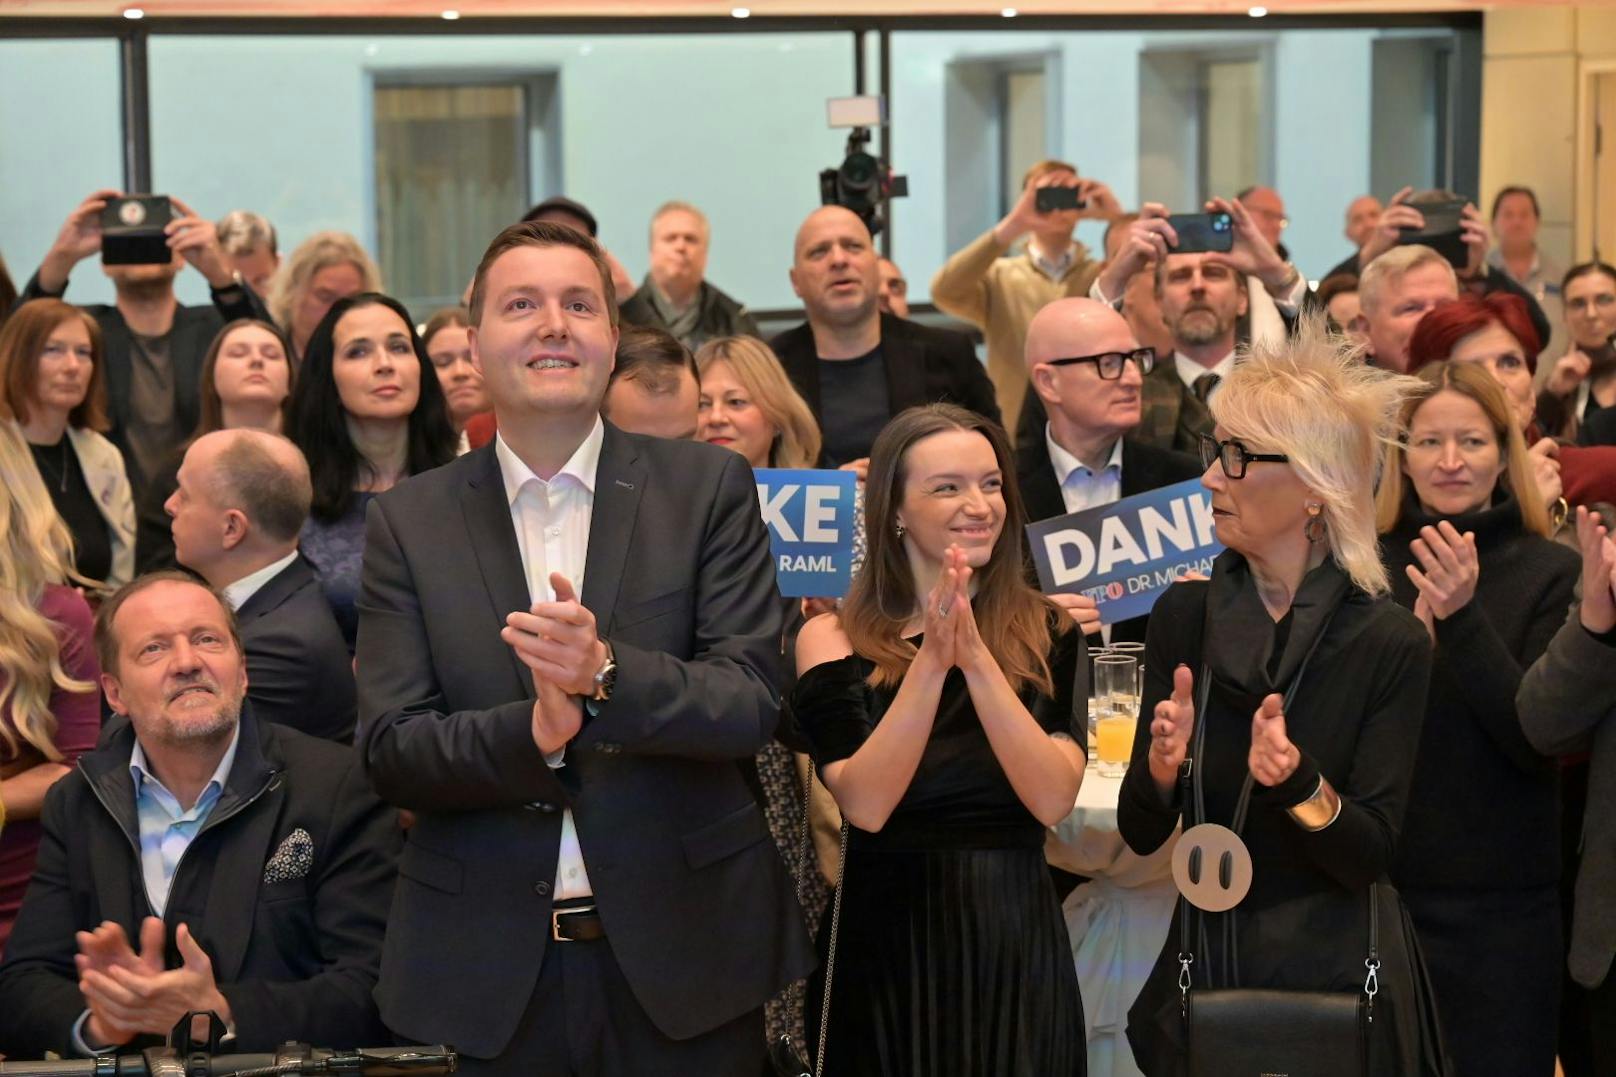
{"points": [[132, 230]]}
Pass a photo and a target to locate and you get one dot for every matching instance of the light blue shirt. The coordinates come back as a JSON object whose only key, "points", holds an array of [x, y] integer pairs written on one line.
{"points": [[166, 829]]}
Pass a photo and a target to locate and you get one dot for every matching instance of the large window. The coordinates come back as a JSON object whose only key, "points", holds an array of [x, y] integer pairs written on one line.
{"points": [[451, 170], [60, 139], [312, 136]]}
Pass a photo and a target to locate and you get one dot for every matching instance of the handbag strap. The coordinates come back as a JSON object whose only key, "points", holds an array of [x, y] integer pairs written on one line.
{"points": [[804, 866], [1193, 796]]}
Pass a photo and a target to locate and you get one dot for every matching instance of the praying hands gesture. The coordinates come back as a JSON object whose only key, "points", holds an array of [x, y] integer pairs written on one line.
{"points": [[129, 995], [1451, 569], [557, 641]]}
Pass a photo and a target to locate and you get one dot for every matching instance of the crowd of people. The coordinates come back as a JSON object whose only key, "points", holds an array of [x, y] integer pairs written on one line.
{"points": [[371, 675]]}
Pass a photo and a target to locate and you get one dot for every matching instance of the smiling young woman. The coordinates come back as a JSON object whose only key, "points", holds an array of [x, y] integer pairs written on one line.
{"points": [[938, 704]]}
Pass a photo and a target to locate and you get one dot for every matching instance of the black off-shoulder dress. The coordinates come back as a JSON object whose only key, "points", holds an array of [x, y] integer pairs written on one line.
{"points": [[953, 957]]}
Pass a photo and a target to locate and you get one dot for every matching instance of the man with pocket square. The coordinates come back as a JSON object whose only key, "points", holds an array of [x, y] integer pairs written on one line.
{"points": [[198, 859], [567, 644]]}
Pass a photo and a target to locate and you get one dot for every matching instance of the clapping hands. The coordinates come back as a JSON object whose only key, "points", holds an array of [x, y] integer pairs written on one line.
{"points": [[1450, 571], [948, 621]]}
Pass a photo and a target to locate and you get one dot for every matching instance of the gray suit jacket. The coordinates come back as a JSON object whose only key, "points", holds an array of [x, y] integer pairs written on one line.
{"points": [[1567, 703]]}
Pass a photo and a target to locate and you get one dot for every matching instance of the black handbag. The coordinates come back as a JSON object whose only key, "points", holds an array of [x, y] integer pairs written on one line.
{"points": [[1230, 1031], [784, 1057]]}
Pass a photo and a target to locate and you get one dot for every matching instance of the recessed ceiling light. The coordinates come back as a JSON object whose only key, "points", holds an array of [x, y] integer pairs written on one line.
{"points": [[1257, 12], [741, 12], [134, 13], [1009, 13], [451, 15]]}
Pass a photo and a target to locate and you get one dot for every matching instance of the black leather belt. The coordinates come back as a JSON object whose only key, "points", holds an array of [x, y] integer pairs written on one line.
{"points": [[576, 923]]}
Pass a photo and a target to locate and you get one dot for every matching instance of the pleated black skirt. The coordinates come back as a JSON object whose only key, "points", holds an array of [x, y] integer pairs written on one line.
{"points": [[951, 963]]}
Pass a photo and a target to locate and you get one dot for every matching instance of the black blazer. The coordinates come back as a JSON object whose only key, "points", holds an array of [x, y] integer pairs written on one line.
{"points": [[296, 959], [193, 330], [1144, 468], [298, 670], [697, 905], [923, 366]]}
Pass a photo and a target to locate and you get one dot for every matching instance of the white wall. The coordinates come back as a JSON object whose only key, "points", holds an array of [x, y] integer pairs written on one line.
{"points": [[734, 124], [60, 139]]}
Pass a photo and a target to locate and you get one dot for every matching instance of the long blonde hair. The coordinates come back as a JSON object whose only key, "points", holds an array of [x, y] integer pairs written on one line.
{"points": [[36, 549], [1475, 382], [1314, 399], [758, 370]]}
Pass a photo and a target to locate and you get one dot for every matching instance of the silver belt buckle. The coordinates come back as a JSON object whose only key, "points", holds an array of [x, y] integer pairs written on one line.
{"points": [[555, 920]]}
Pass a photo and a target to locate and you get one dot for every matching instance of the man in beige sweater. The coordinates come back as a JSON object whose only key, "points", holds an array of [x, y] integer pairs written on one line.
{"points": [[1001, 291]]}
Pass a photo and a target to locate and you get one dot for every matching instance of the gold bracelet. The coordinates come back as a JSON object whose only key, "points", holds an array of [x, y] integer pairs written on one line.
{"points": [[1319, 810]]}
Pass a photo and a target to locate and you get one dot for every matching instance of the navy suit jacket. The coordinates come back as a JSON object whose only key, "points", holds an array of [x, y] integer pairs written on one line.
{"points": [[695, 900]]}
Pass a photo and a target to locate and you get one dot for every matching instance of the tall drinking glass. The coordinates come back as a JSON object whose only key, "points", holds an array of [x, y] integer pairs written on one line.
{"points": [[1116, 697]]}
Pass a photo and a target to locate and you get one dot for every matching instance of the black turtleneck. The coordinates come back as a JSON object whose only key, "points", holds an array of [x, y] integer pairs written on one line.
{"points": [[1482, 813]]}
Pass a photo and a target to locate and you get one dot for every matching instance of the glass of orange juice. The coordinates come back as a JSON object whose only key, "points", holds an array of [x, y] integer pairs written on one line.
{"points": [[1115, 743]]}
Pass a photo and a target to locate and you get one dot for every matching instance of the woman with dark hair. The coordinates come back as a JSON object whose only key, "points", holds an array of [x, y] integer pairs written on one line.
{"points": [[52, 383], [938, 704], [1465, 536], [1295, 690], [367, 412], [245, 383], [1497, 332], [1583, 380]]}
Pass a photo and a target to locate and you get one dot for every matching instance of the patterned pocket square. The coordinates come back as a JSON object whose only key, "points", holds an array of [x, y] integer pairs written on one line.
{"points": [[292, 860]]}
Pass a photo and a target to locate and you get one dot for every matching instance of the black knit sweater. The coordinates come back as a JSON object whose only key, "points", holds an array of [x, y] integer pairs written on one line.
{"points": [[1482, 813]]}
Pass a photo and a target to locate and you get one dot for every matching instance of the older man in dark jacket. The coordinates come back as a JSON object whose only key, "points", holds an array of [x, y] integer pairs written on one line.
{"points": [[252, 863]]}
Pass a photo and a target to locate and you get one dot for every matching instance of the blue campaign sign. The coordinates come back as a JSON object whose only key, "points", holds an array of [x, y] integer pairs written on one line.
{"points": [[1123, 555], [810, 518]]}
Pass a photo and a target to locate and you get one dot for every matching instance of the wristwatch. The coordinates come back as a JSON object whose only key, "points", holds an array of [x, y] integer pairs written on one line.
{"points": [[605, 676], [236, 289]]}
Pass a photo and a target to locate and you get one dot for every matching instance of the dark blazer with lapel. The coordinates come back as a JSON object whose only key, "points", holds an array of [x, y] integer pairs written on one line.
{"points": [[298, 670], [1144, 468], [923, 366], [694, 897], [296, 959], [193, 330]]}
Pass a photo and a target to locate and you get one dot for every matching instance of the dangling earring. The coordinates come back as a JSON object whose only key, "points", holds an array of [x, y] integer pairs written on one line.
{"points": [[1314, 528], [900, 529]]}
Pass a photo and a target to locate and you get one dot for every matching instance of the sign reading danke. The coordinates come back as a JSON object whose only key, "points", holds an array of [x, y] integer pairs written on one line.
{"points": [[810, 519], [1123, 555]]}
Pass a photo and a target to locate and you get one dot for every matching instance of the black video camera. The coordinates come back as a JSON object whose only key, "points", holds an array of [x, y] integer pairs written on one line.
{"points": [[862, 182]]}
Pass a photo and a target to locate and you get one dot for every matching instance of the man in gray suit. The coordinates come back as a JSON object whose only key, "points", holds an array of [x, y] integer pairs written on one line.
{"points": [[1567, 703], [568, 639]]}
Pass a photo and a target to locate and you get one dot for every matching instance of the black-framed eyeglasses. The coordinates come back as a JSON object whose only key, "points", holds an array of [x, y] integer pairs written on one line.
{"points": [[1110, 364], [1234, 456]]}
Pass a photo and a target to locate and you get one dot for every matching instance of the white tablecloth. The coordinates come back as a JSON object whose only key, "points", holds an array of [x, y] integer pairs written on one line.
{"points": [[1117, 921]]}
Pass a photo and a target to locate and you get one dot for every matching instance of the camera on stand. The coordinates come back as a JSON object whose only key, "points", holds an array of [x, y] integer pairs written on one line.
{"points": [[863, 182]]}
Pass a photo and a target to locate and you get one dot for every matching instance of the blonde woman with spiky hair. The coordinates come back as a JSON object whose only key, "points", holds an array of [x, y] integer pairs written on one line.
{"points": [[49, 705], [1296, 690]]}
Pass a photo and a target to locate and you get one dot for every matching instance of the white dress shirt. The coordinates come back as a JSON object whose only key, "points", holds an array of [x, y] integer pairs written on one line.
{"points": [[239, 592], [1188, 370], [1084, 489], [551, 520]]}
